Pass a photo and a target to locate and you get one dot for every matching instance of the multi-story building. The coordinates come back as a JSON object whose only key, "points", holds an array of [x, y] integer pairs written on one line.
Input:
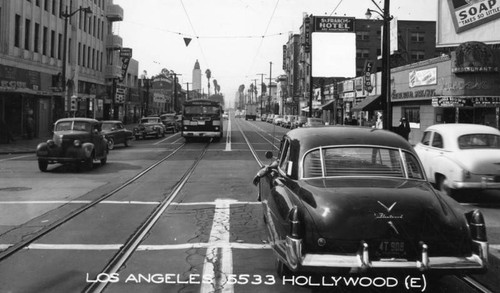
{"points": [[60, 58], [416, 42], [292, 92]]}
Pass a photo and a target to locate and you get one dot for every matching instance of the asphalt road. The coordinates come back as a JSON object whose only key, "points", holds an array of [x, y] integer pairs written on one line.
{"points": [[210, 238]]}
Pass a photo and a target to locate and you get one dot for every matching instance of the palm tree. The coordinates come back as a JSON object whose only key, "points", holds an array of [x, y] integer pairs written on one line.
{"points": [[209, 75], [215, 86]]}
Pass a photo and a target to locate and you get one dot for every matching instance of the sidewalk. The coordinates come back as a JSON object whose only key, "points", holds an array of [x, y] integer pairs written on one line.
{"points": [[22, 145]]}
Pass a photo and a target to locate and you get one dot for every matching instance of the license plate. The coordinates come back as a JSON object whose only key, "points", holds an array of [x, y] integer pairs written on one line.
{"points": [[201, 122], [392, 248]]}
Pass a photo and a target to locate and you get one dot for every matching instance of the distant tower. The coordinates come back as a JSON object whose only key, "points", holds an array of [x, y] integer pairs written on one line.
{"points": [[197, 77]]}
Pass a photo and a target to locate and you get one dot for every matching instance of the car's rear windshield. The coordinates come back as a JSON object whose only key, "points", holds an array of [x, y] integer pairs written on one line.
{"points": [[73, 125], [479, 141], [361, 161]]}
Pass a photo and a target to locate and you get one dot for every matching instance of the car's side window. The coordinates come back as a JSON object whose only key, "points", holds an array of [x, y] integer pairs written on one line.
{"points": [[284, 155], [426, 138], [437, 140]]}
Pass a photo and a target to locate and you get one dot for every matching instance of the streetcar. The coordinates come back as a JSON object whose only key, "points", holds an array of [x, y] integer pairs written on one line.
{"points": [[202, 118]]}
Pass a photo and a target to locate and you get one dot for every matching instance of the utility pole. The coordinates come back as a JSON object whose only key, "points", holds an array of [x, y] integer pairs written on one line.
{"points": [[187, 95], [261, 89], [270, 84]]}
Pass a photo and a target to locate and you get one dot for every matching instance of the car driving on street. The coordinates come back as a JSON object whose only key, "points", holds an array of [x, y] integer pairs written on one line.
{"points": [[149, 126], [116, 133], [461, 156], [348, 199], [76, 140]]}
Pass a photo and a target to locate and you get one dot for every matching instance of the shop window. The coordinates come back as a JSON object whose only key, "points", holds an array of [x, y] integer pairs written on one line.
{"points": [[417, 37], [412, 114], [417, 55]]}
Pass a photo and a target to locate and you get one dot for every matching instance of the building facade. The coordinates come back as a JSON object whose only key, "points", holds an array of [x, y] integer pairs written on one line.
{"points": [[59, 58]]}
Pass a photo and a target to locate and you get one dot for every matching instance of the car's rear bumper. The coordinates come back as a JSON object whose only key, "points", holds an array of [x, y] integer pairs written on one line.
{"points": [[361, 261], [476, 185]]}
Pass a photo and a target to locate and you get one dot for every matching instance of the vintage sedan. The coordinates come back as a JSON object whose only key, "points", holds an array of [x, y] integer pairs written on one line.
{"points": [[170, 122], [75, 140], [149, 126], [116, 133], [461, 156], [350, 199]]}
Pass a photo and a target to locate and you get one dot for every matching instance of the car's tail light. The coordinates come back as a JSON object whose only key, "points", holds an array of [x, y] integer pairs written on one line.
{"points": [[293, 217], [477, 226], [77, 143], [51, 143]]}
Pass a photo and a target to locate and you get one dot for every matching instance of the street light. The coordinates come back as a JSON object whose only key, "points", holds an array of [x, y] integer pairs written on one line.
{"points": [[66, 15], [386, 64]]}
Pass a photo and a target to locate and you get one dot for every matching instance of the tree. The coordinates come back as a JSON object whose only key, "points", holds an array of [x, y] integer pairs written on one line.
{"points": [[216, 87], [209, 75]]}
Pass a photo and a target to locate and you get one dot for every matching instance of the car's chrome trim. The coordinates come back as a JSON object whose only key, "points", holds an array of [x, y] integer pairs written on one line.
{"points": [[475, 185], [361, 260]]}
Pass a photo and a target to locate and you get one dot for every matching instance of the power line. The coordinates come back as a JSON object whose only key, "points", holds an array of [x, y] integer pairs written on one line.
{"points": [[335, 9], [265, 32], [194, 31]]}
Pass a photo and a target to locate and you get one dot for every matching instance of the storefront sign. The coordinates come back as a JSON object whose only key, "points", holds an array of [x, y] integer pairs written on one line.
{"points": [[466, 101], [367, 76], [125, 55], [414, 94], [423, 77], [120, 95], [467, 14], [471, 57]]}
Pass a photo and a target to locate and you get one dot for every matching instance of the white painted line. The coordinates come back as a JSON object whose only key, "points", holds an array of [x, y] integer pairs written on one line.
{"points": [[228, 136], [78, 202], [219, 235], [13, 158], [159, 247]]}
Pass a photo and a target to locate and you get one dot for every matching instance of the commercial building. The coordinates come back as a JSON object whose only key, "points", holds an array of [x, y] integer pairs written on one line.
{"points": [[61, 58]]}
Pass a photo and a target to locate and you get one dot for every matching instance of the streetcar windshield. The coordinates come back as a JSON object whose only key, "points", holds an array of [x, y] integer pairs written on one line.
{"points": [[202, 110]]}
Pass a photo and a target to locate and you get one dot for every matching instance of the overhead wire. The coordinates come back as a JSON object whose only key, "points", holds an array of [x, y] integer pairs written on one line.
{"points": [[335, 9], [262, 39], [196, 35]]}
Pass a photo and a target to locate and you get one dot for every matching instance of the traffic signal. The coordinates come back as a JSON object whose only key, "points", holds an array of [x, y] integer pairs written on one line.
{"points": [[73, 103]]}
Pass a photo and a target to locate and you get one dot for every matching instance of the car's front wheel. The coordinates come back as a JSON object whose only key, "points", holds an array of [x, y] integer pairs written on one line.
{"points": [[42, 165], [127, 142], [89, 163], [111, 144]]}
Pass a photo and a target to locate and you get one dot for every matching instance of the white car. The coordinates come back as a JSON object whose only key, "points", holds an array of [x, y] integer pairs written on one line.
{"points": [[461, 156]]}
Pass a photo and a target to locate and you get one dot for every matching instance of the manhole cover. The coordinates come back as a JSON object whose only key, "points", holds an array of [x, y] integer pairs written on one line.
{"points": [[14, 188]]}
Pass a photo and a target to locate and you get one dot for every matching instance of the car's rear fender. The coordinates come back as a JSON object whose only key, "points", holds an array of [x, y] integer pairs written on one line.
{"points": [[447, 167]]}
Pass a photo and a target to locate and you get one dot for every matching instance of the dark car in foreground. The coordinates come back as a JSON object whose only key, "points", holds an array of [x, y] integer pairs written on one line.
{"points": [[351, 199], [75, 140], [116, 133]]}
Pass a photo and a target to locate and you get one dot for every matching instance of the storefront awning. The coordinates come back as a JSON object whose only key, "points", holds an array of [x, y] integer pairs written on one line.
{"points": [[328, 105], [368, 104], [306, 109]]}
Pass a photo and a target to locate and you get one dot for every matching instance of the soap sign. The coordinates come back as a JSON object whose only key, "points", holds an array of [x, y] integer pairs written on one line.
{"points": [[467, 14]]}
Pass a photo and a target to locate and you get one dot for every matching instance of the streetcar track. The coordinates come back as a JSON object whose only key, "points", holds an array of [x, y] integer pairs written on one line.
{"points": [[47, 229], [130, 246]]}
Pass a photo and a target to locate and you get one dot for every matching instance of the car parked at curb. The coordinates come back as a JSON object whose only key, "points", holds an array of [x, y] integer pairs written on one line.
{"points": [[75, 140], [170, 122], [461, 156], [149, 126], [356, 200], [116, 133]]}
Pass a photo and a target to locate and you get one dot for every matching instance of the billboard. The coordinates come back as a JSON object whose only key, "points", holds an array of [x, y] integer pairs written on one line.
{"points": [[333, 43], [462, 21]]}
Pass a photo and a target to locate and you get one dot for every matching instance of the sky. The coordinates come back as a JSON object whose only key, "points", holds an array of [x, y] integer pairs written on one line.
{"points": [[236, 39]]}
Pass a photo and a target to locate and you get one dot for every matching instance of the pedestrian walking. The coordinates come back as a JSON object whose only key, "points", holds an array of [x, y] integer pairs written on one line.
{"points": [[404, 128]]}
